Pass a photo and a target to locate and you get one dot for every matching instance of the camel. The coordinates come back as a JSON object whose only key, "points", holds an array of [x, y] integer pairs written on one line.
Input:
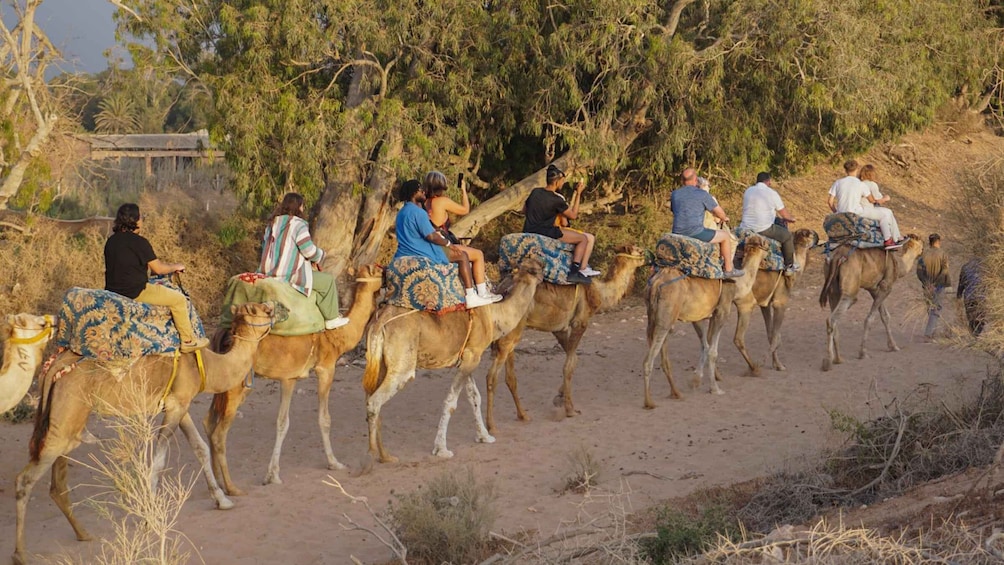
{"points": [[288, 359], [74, 386], [565, 311], [849, 270], [26, 336], [674, 296], [771, 291], [401, 340]]}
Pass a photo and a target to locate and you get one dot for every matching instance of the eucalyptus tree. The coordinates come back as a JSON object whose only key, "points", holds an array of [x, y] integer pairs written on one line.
{"points": [[342, 99]]}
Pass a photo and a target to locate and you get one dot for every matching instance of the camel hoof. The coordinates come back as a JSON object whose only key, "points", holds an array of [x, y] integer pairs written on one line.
{"points": [[388, 459], [336, 466], [780, 367], [442, 453], [18, 558], [224, 503], [272, 479], [234, 491], [572, 412], [521, 417], [84, 536], [487, 439], [838, 360], [894, 348], [718, 392], [862, 355], [649, 406]]}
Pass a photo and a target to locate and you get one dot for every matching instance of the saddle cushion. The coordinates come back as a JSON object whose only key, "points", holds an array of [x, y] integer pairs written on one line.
{"points": [[420, 284], [846, 227], [693, 257], [304, 317], [107, 326], [774, 261], [556, 255]]}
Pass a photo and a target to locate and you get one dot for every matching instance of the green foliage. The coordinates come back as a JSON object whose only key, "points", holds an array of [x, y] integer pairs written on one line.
{"points": [[232, 231], [23, 412], [682, 534], [447, 521], [117, 114]]}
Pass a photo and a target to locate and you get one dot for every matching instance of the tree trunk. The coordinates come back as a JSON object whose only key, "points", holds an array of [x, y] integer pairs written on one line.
{"points": [[12, 183]]}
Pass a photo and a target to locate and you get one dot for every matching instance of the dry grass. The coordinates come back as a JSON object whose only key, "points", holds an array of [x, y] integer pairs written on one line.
{"points": [[584, 471]]}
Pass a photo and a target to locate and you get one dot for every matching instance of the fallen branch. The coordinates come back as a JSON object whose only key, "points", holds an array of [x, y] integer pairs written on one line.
{"points": [[394, 544]]}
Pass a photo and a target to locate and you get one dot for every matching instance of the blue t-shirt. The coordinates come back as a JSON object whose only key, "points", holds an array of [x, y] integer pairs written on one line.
{"points": [[688, 204], [412, 226]]}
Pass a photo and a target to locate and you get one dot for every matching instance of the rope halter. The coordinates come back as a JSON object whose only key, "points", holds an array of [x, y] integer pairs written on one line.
{"points": [[44, 332]]}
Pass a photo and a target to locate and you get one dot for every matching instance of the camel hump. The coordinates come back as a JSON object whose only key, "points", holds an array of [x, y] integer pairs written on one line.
{"points": [[419, 283], [556, 256], [774, 261], [303, 316], [846, 227], [107, 326]]}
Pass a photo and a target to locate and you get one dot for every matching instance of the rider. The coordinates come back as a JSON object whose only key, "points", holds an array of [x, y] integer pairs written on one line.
{"points": [[689, 204]]}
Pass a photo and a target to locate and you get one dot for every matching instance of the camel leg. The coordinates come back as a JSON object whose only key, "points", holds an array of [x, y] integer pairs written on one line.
{"points": [[876, 304], [201, 451], [217, 428], [569, 341], [503, 353], [474, 399], [657, 337], [462, 377], [281, 427], [832, 335], [884, 313], [173, 414], [325, 377], [715, 328], [744, 311], [702, 337], [776, 315], [24, 484], [60, 494], [391, 384]]}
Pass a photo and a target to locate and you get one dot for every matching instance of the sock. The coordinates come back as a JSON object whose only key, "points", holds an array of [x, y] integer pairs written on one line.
{"points": [[576, 267], [471, 292], [482, 289]]}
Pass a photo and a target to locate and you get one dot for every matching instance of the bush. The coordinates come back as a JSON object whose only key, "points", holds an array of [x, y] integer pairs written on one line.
{"points": [[585, 471], [448, 520], [24, 411], [682, 534]]}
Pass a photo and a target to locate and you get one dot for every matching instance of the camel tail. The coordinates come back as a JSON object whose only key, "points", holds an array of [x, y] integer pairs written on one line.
{"points": [[221, 342], [373, 375], [41, 430], [217, 409]]}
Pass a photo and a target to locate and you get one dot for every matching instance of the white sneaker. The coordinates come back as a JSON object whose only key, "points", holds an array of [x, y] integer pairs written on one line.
{"points": [[589, 272], [335, 323], [491, 296], [474, 301]]}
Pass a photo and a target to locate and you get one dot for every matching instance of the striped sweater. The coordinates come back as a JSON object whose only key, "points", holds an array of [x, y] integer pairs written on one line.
{"points": [[287, 252]]}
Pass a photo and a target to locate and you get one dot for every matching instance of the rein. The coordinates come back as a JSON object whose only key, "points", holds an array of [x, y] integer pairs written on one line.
{"points": [[46, 332], [174, 374], [369, 279]]}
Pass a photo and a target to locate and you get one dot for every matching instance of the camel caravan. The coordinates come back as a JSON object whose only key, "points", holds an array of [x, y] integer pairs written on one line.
{"points": [[138, 347]]}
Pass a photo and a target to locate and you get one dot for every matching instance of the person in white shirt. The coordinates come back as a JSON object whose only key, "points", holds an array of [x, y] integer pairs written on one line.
{"points": [[871, 207], [762, 207], [847, 192]]}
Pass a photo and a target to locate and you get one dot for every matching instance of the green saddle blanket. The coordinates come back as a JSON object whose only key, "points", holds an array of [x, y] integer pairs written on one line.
{"points": [[304, 317]]}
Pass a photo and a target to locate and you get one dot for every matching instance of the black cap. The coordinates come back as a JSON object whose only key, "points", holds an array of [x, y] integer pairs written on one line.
{"points": [[554, 173]]}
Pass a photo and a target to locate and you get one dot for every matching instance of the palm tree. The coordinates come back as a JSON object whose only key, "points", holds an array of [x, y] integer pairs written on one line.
{"points": [[117, 115]]}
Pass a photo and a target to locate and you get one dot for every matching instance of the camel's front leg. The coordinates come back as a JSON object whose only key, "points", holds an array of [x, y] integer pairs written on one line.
{"points": [[702, 337], [474, 399], [884, 313], [281, 427], [569, 341], [217, 424], [60, 494], [744, 311], [449, 405], [463, 376], [715, 328], [876, 304], [325, 376], [202, 454], [776, 317], [832, 335]]}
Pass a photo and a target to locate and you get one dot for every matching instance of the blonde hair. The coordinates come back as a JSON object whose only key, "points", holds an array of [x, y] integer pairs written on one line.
{"points": [[867, 172]]}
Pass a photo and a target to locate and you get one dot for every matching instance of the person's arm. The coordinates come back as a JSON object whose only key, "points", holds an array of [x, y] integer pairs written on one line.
{"points": [[159, 267], [719, 212], [452, 207], [572, 212], [785, 215], [301, 235], [437, 238], [832, 202]]}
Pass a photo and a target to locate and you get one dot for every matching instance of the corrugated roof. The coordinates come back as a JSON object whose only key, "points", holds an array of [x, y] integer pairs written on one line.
{"points": [[144, 141]]}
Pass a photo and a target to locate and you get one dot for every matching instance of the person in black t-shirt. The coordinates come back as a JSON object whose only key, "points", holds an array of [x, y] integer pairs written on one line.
{"points": [[128, 255], [544, 207]]}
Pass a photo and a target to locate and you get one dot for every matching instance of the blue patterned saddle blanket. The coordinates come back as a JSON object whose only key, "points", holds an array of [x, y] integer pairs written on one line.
{"points": [[303, 316], [774, 261], [692, 256], [852, 229], [108, 326], [556, 255], [420, 284]]}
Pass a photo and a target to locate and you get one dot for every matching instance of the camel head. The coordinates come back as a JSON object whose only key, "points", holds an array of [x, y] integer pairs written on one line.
{"points": [[754, 250], [531, 268], [912, 249], [252, 320], [28, 328], [631, 254], [806, 238], [369, 277]]}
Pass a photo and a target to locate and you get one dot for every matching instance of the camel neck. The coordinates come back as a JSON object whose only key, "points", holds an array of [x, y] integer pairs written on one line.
{"points": [[609, 291]]}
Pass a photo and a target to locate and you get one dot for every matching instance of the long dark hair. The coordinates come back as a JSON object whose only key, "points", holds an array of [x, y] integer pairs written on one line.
{"points": [[127, 218], [290, 206]]}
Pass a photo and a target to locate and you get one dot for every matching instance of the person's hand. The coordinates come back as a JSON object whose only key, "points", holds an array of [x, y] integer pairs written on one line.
{"points": [[580, 186], [179, 268]]}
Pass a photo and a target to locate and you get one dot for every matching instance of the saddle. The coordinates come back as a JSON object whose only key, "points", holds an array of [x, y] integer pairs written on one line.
{"points": [[303, 317], [691, 256], [556, 255], [851, 229], [419, 284], [109, 327]]}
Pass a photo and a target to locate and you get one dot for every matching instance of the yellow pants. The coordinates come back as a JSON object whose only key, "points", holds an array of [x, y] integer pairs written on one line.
{"points": [[162, 296]]}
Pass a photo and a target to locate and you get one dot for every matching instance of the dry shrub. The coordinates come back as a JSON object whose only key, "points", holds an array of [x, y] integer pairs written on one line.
{"points": [[585, 471], [41, 265], [144, 521], [448, 520]]}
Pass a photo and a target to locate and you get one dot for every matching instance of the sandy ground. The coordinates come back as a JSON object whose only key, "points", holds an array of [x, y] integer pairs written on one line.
{"points": [[778, 421]]}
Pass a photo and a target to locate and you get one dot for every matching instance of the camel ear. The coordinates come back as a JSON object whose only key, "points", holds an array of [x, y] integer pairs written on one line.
{"points": [[233, 309], [351, 271], [10, 319]]}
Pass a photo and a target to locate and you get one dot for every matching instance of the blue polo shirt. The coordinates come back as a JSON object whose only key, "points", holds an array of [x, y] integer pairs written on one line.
{"points": [[688, 204], [412, 227]]}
